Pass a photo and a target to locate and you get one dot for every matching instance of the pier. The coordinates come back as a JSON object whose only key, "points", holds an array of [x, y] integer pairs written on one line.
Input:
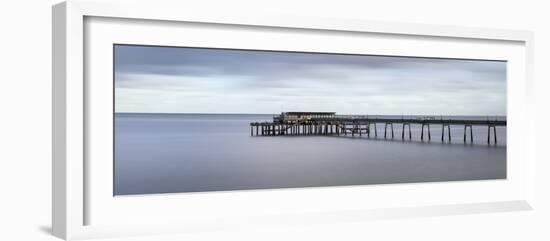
{"points": [[330, 124]]}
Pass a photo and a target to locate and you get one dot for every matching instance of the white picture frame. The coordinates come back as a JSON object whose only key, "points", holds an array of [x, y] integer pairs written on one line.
{"points": [[74, 189]]}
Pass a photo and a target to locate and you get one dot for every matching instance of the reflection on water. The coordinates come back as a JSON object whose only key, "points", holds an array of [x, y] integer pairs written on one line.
{"points": [[167, 153]]}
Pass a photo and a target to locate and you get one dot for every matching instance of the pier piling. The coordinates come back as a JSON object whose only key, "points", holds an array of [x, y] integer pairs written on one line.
{"points": [[471, 133], [385, 129], [443, 132], [489, 134], [403, 131]]}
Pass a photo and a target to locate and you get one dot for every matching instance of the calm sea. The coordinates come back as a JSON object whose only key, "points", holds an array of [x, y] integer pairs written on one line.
{"points": [[168, 153]]}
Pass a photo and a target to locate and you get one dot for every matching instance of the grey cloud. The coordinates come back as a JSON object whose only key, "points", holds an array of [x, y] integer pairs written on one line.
{"points": [[206, 62], [301, 77]]}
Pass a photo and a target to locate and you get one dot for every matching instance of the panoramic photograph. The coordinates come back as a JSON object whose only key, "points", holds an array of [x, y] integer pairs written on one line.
{"points": [[190, 119]]}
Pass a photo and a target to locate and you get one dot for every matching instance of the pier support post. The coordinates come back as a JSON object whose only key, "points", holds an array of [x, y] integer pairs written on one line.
{"points": [[315, 129], [288, 129], [422, 132], [319, 130], [495, 133], [489, 134], [251, 130], [471, 133], [443, 131], [386, 130], [403, 132], [344, 129], [368, 129], [465, 133]]}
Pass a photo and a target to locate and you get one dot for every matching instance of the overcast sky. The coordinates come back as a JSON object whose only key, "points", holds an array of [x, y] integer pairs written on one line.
{"points": [[193, 80]]}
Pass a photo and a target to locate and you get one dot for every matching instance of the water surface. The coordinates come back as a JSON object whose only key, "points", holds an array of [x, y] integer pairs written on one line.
{"points": [[168, 153]]}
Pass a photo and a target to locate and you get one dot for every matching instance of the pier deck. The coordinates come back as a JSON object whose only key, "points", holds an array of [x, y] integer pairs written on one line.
{"points": [[328, 123]]}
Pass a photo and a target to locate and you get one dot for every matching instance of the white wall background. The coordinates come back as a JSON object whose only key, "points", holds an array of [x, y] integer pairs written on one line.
{"points": [[25, 122]]}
